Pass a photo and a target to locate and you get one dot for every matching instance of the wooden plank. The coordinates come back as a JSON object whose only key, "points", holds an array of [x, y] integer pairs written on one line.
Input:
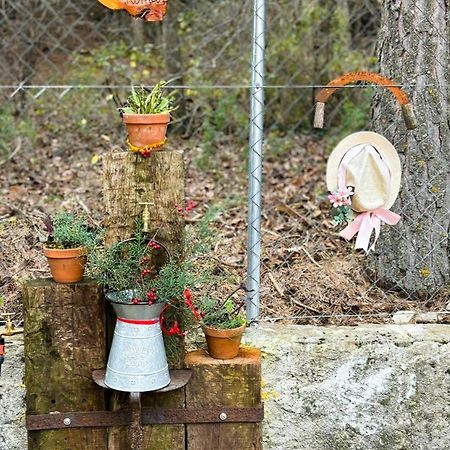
{"points": [[64, 336], [214, 383], [165, 437], [129, 180]]}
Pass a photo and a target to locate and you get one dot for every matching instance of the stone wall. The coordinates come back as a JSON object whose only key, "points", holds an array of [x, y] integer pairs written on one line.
{"points": [[370, 387], [12, 397]]}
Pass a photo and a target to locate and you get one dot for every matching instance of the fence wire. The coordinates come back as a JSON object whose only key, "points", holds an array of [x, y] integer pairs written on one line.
{"points": [[62, 62]]}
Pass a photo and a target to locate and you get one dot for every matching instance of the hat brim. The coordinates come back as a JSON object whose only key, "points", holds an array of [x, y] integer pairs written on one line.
{"points": [[382, 145]]}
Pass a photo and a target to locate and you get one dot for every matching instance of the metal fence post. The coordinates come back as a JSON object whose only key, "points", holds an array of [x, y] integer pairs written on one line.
{"points": [[255, 162]]}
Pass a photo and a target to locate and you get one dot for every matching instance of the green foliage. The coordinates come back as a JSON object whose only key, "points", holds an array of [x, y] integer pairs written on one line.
{"points": [[70, 231], [341, 214], [153, 278], [223, 314], [223, 116], [318, 47], [137, 265], [141, 101]]}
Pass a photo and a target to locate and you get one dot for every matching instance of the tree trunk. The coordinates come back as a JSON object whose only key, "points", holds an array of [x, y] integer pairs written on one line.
{"points": [[413, 256]]}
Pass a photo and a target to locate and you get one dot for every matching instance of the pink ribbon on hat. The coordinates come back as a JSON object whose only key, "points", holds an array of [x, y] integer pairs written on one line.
{"points": [[365, 223]]}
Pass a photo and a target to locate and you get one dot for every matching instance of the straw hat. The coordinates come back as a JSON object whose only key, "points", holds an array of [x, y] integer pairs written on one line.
{"points": [[370, 164]]}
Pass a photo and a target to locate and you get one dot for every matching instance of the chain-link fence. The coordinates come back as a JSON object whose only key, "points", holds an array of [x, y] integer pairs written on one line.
{"points": [[67, 64]]}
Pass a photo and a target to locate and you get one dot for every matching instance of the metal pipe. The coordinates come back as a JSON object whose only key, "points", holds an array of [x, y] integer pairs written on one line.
{"points": [[255, 162]]}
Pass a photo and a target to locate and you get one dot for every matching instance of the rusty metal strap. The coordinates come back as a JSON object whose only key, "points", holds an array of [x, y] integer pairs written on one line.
{"points": [[149, 416], [78, 420], [201, 415]]}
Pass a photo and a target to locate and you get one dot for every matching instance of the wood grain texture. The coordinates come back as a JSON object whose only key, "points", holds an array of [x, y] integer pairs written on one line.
{"points": [[235, 382], [64, 336], [165, 437], [129, 180]]}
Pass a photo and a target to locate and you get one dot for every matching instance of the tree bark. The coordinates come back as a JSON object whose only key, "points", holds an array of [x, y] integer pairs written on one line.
{"points": [[413, 256]]}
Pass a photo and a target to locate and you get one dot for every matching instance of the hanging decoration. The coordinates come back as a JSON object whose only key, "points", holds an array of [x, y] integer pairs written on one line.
{"points": [[149, 10], [364, 170]]}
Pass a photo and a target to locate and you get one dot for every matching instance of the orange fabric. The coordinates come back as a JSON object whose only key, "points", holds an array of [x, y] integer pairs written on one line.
{"points": [[111, 4], [150, 10], [353, 77]]}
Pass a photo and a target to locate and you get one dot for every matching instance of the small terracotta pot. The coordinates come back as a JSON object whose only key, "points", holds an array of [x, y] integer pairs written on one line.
{"points": [[223, 343], [146, 129], [66, 265]]}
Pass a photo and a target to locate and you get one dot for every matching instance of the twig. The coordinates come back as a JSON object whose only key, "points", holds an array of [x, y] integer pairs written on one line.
{"points": [[296, 302], [276, 285], [14, 208], [236, 266], [311, 258], [264, 230], [87, 211], [13, 153]]}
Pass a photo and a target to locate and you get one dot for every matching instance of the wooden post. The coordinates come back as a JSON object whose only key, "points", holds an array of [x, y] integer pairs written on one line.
{"points": [[64, 336], [129, 180], [215, 383]]}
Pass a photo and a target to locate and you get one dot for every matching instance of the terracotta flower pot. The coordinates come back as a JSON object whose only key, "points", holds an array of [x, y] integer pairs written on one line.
{"points": [[66, 265], [223, 343], [146, 129]]}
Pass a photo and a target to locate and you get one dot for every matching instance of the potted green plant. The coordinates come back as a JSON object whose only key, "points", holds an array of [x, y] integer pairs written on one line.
{"points": [[69, 241], [223, 323], [146, 116], [148, 289]]}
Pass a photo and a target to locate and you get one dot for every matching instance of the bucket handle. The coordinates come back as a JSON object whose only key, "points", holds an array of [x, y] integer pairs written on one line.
{"points": [[148, 240], [371, 77]]}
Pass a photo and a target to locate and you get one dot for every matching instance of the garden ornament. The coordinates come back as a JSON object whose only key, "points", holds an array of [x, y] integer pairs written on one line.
{"points": [[363, 177], [149, 10], [369, 77], [137, 360], [364, 170]]}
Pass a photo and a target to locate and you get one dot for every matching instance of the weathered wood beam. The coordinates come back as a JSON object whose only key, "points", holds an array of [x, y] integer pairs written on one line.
{"points": [[64, 336]]}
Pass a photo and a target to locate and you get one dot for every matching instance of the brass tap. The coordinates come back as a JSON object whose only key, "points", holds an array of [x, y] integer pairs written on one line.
{"points": [[146, 216], [9, 329]]}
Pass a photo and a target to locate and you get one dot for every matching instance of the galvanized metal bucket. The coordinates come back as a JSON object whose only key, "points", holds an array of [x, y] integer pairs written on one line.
{"points": [[137, 360]]}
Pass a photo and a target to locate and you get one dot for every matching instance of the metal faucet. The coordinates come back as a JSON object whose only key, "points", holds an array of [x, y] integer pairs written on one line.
{"points": [[9, 329], [146, 216]]}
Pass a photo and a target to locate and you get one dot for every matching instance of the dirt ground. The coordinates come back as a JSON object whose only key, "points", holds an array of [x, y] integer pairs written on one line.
{"points": [[309, 274]]}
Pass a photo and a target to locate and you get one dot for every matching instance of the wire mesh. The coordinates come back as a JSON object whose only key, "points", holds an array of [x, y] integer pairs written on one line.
{"points": [[76, 60]]}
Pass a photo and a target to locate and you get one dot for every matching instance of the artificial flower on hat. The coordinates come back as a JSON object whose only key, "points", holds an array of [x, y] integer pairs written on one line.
{"points": [[363, 177]]}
